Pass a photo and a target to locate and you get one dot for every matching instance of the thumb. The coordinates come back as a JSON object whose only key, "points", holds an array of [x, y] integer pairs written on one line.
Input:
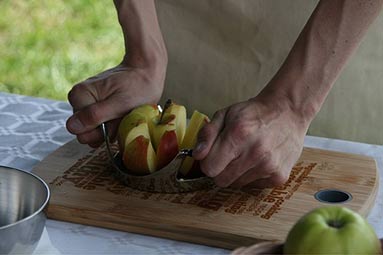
{"points": [[208, 134]]}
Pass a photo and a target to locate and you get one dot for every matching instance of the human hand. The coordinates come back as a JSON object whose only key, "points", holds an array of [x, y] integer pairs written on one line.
{"points": [[110, 95], [257, 141]]}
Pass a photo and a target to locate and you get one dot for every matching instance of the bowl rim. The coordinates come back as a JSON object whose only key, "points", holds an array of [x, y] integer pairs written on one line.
{"points": [[41, 208]]}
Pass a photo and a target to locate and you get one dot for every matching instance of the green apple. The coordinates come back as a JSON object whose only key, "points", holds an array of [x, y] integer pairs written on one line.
{"points": [[332, 230]]}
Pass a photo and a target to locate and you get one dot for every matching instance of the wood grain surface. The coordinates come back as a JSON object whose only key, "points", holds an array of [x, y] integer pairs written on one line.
{"points": [[84, 190]]}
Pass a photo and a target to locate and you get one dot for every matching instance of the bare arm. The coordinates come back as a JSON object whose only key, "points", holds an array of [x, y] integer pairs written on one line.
{"points": [[329, 38], [139, 78], [260, 140], [143, 38]]}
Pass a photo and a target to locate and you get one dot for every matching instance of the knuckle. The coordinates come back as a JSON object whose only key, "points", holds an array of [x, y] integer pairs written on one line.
{"points": [[93, 115], [268, 164], [205, 133], [224, 180], [76, 90], [240, 131], [91, 138], [258, 150], [83, 139], [219, 114], [279, 179], [208, 169], [222, 183], [271, 164]]}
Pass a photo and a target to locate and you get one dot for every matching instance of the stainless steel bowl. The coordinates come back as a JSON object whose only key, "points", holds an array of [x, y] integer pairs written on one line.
{"points": [[23, 199]]}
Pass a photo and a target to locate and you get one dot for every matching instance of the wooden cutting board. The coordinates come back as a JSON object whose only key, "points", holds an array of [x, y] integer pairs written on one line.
{"points": [[85, 191]]}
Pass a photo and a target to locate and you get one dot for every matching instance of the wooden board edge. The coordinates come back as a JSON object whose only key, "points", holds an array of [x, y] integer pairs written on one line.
{"points": [[339, 153], [365, 211]]}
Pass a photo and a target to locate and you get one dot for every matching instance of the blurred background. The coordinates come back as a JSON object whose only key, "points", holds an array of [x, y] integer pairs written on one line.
{"points": [[47, 46]]}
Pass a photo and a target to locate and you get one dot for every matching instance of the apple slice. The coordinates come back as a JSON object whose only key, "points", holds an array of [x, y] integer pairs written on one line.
{"points": [[176, 114], [197, 121], [173, 118], [138, 116], [128, 123], [147, 110], [139, 156], [167, 132], [134, 140], [167, 149]]}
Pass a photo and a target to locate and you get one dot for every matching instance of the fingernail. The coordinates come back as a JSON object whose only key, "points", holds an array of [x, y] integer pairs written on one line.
{"points": [[200, 147], [75, 125]]}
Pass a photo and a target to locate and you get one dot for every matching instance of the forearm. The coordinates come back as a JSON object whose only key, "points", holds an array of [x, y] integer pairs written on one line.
{"points": [[144, 43], [329, 38]]}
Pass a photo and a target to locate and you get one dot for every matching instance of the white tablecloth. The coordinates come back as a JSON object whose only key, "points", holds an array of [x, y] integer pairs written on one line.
{"points": [[31, 128]]}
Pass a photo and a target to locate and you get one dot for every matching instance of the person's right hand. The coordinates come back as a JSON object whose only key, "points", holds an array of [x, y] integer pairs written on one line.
{"points": [[110, 95]]}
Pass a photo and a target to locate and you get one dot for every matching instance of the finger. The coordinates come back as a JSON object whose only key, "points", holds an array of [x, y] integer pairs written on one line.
{"points": [[249, 158], [246, 166], [208, 135], [274, 180], [95, 137], [93, 115], [95, 145], [81, 95], [232, 172], [221, 153], [272, 165], [273, 170]]}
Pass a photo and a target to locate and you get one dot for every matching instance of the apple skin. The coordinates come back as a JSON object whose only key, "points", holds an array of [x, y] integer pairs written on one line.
{"points": [[313, 233], [139, 156], [167, 149]]}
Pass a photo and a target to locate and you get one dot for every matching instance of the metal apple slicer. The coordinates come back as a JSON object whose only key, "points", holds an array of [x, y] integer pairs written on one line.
{"points": [[166, 180]]}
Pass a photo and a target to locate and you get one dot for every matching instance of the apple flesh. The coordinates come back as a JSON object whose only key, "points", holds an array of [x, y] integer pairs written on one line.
{"points": [[197, 121], [134, 140], [332, 230], [167, 132], [127, 129]]}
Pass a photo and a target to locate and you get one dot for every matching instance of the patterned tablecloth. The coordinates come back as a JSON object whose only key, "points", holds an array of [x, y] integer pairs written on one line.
{"points": [[31, 128]]}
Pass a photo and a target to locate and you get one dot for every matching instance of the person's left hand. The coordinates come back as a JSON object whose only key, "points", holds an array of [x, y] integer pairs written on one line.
{"points": [[257, 141]]}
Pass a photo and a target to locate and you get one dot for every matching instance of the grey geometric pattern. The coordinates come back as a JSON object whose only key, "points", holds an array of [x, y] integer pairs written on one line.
{"points": [[30, 129]]}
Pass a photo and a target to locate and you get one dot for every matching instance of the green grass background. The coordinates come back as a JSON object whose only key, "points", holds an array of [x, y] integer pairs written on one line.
{"points": [[47, 46]]}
